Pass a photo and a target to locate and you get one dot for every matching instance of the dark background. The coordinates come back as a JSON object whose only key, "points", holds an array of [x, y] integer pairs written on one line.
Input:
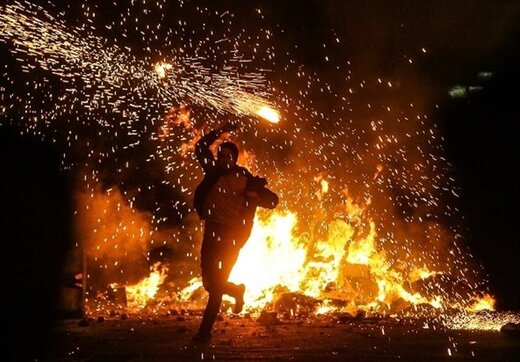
{"points": [[482, 143], [36, 233]]}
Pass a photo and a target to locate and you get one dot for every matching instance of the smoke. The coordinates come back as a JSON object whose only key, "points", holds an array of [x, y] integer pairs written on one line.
{"points": [[115, 238], [121, 244]]}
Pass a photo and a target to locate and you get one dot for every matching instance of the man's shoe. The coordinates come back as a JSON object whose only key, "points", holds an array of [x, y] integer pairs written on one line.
{"points": [[201, 337], [239, 299]]}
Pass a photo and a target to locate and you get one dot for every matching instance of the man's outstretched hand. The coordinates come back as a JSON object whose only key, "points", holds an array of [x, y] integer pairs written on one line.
{"points": [[256, 182], [228, 127]]}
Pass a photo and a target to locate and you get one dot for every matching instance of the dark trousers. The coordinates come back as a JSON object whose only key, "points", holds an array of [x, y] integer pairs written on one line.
{"points": [[220, 247]]}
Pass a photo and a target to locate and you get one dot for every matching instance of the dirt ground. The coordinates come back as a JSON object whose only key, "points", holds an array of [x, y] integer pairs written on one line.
{"points": [[168, 338]]}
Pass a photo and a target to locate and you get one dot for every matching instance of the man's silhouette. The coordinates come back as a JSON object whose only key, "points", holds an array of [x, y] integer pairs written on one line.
{"points": [[226, 200]]}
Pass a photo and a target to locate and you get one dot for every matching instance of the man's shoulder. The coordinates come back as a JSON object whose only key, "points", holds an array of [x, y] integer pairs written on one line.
{"points": [[244, 171]]}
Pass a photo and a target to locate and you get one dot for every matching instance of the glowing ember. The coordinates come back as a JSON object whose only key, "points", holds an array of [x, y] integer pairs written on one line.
{"points": [[484, 320]]}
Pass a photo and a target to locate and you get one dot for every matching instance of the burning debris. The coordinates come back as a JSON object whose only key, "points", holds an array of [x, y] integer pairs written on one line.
{"points": [[268, 318], [296, 304]]}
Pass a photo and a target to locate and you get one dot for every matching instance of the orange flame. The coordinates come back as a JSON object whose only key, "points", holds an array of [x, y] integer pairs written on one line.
{"points": [[345, 267], [347, 263], [139, 294], [486, 302], [271, 247], [324, 186], [350, 263]]}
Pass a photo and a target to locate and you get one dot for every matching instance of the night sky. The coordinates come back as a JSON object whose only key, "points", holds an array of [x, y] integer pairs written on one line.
{"points": [[481, 136], [480, 129]]}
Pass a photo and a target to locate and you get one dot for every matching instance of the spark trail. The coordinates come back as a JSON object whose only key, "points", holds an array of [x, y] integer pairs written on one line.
{"points": [[112, 72]]}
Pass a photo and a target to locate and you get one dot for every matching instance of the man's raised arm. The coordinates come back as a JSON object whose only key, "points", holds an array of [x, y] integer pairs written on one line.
{"points": [[202, 151]]}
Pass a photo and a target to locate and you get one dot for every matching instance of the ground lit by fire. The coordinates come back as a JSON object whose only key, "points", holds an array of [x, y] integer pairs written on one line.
{"points": [[366, 224]]}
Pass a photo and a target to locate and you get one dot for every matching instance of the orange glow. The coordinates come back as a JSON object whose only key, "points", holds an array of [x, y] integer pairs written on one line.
{"points": [[347, 263], [247, 159], [324, 186]]}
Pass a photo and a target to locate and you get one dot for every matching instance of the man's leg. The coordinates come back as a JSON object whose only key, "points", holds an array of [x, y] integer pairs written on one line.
{"points": [[210, 280], [217, 264], [218, 256], [209, 316], [236, 291]]}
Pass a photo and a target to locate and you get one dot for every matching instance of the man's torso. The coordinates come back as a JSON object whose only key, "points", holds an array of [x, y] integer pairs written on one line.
{"points": [[225, 201]]}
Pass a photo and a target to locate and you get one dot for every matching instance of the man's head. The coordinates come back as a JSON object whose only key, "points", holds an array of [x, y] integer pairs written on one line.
{"points": [[227, 155]]}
